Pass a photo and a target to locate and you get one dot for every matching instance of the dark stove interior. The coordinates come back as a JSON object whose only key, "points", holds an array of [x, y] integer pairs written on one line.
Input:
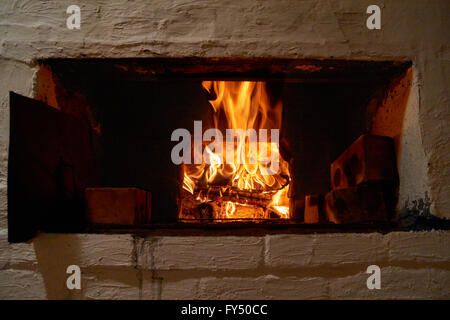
{"points": [[130, 107]]}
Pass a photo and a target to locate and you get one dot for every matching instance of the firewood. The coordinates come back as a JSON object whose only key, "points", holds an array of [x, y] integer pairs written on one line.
{"points": [[238, 196]]}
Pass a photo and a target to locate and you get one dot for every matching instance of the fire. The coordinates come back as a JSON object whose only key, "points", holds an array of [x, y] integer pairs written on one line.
{"points": [[242, 188], [230, 208]]}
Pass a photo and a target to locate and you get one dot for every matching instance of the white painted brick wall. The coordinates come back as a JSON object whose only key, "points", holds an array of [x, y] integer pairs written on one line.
{"points": [[3, 208], [114, 284], [15, 254], [414, 265], [34, 29], [342, 249], [285, 266], [90, 250], [169, 287], [208, 253], [397, 283], [410, 246], [21, 284], [290, 251], [262, 287]]}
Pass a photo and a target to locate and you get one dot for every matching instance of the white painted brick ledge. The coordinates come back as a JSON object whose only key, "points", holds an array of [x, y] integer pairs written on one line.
{"points": [[239, 261], [234, 253], [87, 250], [200, 253], [291, 251], [396, 283]]}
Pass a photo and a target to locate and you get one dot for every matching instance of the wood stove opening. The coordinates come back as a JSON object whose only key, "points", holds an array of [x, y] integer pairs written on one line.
{"points": [[98, 147]]}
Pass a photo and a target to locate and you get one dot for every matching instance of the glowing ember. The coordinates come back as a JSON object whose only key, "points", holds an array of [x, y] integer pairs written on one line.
{"points": [[235, 181]]}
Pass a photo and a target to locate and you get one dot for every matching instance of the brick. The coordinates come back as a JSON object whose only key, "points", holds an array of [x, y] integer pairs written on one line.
{"points": [[355, 204], [211, 253], [288, 251], [168, 288], [3, 161], [5, 254], [352, 287], [263, 287], [369, 158], [306, 251], [312, 213], [21, 284], [3, 219], [231, 288], [111, 285], [292, 288], [352, 248], [16, 253], [86, 249], [119, 206], [425, 246], [3, 208], [396, 283]]}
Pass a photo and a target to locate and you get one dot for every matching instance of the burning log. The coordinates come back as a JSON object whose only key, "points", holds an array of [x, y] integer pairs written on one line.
{"points": [[193, 209], [247, 177], [118, 206], [370, 158], [239, 196]]}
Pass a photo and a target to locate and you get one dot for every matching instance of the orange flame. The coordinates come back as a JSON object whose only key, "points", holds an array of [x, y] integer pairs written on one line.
{"points": [[243, 105]]}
